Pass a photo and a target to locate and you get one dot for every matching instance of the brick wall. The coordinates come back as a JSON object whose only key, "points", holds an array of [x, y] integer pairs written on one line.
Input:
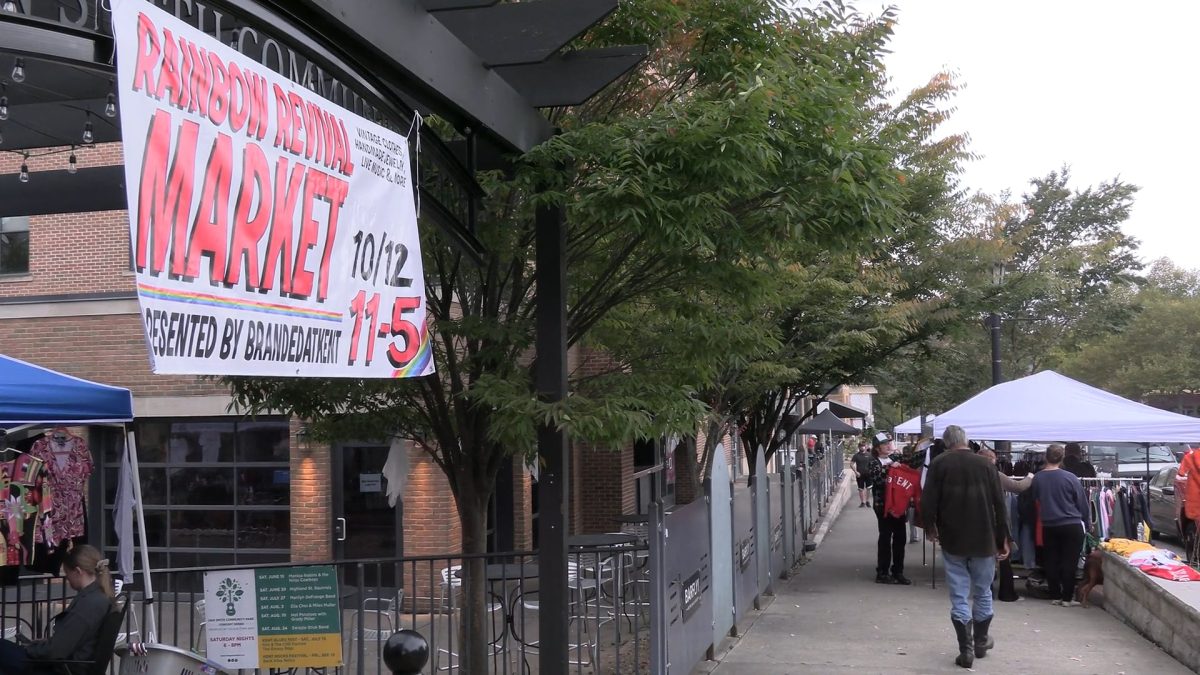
{"points": [[108, 349], [605, 487], [100, 154], [312, 496], [74, 253], [522, 507], [431, 524]]}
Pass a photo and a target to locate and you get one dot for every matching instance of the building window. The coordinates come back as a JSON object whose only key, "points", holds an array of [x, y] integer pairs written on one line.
{"points": [[216, 491], [14, 245]]}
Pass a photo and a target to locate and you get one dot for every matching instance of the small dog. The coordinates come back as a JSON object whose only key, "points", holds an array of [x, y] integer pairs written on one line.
{"points": [[1093, 575]]}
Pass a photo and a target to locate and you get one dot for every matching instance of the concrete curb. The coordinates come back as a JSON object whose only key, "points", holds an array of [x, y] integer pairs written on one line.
{"points": [[840, 497], [1141, 603]]}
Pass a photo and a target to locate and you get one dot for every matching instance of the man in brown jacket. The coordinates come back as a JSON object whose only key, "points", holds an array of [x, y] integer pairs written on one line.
{"points": [[964, 510]]}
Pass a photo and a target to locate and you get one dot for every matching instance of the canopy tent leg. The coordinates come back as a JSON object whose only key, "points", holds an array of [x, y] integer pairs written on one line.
{"points": [[151, 620]]}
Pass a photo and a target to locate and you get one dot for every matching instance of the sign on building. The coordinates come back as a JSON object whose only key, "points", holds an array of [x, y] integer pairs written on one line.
{"points": [[283, 617], [273, 233]]}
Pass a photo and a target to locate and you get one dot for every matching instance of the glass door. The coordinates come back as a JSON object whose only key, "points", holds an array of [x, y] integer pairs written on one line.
{"points": [[365, 526]]}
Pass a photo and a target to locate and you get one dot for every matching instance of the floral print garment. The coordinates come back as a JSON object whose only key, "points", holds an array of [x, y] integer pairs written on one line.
{"points": [[68, 466]]}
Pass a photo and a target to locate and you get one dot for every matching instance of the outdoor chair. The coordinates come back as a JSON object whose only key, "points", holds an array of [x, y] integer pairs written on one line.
{"points": [[447, 601], [376, 627], [391, 604], [129, 630], [199, 631], [106, 641], [585, 652], [589, 580]]}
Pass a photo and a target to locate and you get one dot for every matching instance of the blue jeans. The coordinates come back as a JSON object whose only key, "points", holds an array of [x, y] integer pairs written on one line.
{"points": [[969, 578]]}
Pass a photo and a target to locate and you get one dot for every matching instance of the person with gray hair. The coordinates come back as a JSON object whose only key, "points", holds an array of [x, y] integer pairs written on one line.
{"points": [[964, 510]]}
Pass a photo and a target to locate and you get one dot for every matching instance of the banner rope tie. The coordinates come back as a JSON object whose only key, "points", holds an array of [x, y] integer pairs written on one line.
{"points": [[414, 129]]}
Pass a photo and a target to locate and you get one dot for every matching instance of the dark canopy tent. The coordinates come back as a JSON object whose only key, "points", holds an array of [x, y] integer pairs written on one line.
{"points": [[31, 394], [846, 412], [826, 423]]}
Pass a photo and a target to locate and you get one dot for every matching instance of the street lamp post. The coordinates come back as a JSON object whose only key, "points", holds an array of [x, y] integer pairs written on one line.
{"points": [[1007, 591], [994, 327]]}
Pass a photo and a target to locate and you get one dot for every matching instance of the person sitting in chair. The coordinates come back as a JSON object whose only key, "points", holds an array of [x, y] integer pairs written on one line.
{"points": [[76, 628]]}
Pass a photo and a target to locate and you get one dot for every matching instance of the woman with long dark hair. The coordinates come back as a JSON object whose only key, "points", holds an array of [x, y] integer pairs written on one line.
{"points": [[76, 628]]}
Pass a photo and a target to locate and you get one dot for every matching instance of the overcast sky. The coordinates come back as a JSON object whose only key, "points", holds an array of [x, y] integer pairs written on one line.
{"points": [[1106, 87]]}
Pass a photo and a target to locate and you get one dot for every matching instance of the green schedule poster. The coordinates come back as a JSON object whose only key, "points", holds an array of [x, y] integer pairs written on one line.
{"points": [[281, 617]]}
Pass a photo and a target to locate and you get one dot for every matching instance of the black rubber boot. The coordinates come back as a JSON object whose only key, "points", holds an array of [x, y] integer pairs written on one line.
{"points": [[982, 641], [966, 648]]}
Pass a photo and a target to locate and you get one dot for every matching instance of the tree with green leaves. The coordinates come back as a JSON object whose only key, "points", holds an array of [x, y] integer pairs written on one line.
{"points": [[1069, 277], [752, 125], [1157, 352]]}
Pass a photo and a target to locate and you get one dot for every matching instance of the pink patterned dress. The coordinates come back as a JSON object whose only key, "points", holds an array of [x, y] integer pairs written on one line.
{"points": [[68, 467]]}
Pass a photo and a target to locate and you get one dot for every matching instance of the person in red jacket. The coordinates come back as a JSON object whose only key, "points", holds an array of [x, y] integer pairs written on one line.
{"points": [[889, 567], [1187, 490]]}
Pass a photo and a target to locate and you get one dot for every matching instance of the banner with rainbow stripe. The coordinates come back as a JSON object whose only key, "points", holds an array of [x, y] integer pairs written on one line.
{"points": [[274, 233]]}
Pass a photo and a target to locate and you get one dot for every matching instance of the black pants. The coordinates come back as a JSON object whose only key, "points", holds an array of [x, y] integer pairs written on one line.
{"points": [[13, 659], [1062, 545], [892, 538]]}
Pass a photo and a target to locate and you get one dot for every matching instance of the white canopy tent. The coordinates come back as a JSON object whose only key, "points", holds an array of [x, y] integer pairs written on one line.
{"points": [[912, 426], [1048, 406]]}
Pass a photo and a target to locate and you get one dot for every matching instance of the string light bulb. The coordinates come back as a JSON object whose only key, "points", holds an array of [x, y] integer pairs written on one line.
{"points": [[1, 139], [18, 71], [88, 136], [110, 106], [24, 175], [3, 107], [10, 6], [72, 164]]}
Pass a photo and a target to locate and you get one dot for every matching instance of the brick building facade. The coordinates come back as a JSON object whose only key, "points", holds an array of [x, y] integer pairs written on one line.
{"points": [[72, 308], [221, 487]]}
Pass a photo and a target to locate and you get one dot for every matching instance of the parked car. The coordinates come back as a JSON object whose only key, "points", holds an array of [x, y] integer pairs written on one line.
{"points": [[1165, 503], [1133, 460]]}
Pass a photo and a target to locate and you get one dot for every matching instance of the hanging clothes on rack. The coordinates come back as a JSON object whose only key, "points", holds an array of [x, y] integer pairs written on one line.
{"points": [[24, 500], [68, 466], [1120, 505]]}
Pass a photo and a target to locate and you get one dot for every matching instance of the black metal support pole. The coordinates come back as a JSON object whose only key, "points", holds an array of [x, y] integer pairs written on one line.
{"points": [[994, 327], [551, 374]]}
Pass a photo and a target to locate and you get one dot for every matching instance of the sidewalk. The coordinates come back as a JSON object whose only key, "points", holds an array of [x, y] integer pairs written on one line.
{"points": [[831, 617]]}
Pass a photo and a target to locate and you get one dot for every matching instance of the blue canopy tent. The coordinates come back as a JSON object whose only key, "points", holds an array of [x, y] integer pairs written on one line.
{"points": [[31, 394]]}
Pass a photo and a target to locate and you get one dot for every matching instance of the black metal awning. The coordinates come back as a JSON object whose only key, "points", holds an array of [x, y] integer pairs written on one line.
{"points": [[846, 412]]}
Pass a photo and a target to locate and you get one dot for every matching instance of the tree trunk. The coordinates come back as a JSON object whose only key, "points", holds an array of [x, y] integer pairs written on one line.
{"points": [[474, 624]]}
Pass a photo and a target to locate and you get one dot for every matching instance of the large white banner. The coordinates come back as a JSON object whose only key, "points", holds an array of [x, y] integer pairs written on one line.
{"points": [[273, 232]]}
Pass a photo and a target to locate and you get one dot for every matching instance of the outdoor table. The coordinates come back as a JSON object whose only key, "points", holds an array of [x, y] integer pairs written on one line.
{"points": [[511, 572], [633, 518], [500, 574], [606, 539]]}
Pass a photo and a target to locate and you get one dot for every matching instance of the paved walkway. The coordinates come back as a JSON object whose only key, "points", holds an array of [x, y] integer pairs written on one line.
{"points": [[831, 617]]}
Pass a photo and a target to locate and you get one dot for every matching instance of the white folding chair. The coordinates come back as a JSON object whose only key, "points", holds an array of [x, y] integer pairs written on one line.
{"points": [[376, 628], [391, 604], [130, 632], [448, 601], [201, 621]]}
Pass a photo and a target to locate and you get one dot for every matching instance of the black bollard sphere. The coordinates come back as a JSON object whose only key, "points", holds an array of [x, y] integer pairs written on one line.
{"points": [[406, 652]]}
